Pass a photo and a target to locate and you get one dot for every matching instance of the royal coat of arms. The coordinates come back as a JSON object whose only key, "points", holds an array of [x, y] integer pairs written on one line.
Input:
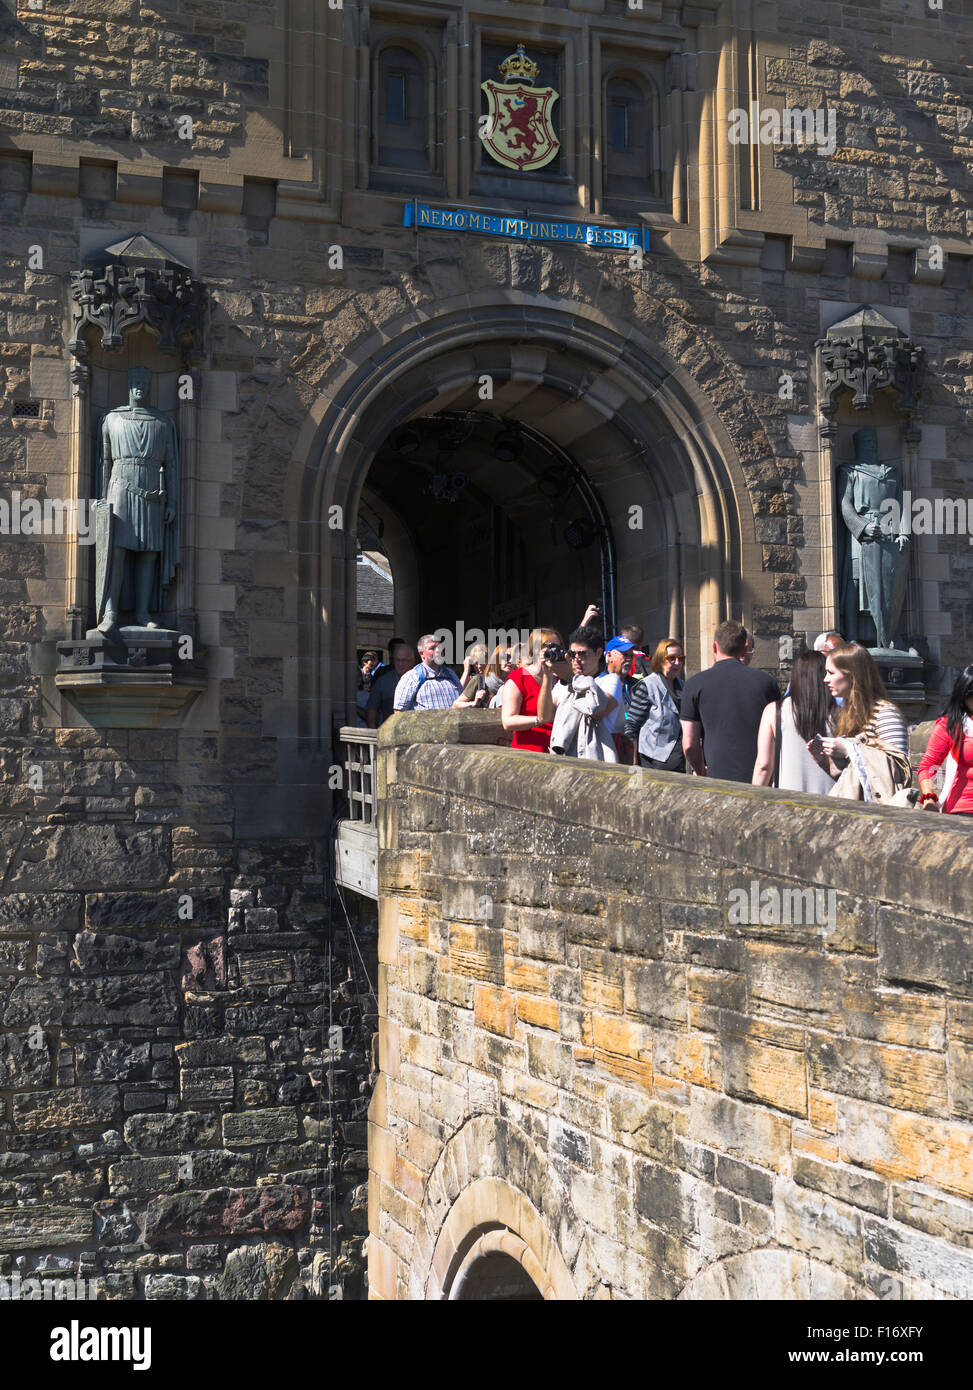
{"points": [[518, 130]]}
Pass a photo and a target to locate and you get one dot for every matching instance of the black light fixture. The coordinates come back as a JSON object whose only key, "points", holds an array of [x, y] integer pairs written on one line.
{"points": [[554, 481], [508, 445], [580, 533], [450, 433], [446, 487], [406, 440]]}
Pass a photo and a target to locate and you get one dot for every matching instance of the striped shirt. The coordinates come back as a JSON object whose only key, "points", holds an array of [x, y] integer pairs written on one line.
{"points": [[888, 726], [420, 688]]}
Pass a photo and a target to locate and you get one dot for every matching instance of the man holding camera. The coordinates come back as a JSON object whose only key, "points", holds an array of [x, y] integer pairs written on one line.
{"points": [[587, 703]]}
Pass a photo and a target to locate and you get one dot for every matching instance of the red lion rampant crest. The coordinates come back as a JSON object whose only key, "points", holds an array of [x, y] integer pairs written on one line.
{"points": [[523, 123], [519, 130]]}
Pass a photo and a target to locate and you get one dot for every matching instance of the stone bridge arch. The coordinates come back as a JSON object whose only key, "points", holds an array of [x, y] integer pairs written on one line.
{"points": [[628, 395], [514, 1207], [772, 1274]]}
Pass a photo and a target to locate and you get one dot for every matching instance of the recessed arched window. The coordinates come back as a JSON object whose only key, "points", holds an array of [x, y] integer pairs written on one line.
{"points": [[631, 137], [402, 110]]}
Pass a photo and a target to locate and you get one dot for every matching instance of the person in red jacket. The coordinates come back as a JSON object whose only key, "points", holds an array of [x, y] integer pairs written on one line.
{"points": [[527, 701], [951, 741]]}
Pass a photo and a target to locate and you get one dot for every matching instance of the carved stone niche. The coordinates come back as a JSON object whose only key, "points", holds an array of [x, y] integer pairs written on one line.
{"points": [[882, 368], [866, 353], [136, 302], [133, 282]]}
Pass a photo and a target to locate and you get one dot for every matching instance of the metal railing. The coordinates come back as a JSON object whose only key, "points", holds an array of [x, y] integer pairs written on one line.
{"points": [[359, 761]]}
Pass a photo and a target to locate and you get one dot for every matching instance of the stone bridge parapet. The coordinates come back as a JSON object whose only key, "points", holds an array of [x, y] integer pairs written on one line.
{"points": [[648, 1036]]}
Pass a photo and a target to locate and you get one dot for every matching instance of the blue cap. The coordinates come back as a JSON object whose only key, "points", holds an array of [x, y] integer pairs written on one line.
{"points": [[619, 644]]}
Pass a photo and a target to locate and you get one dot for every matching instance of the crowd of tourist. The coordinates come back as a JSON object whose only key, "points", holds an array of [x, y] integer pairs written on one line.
{"points": [[835, 731]]}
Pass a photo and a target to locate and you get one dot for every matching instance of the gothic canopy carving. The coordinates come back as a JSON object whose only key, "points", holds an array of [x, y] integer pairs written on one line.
{"points": [[866, 353], [134, 282]]}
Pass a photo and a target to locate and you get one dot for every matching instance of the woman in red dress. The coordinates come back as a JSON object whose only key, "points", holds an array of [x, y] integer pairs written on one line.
{"points": [[951, 741], [527, 703]]}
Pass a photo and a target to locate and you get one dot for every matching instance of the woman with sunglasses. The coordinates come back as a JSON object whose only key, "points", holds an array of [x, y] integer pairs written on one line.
{"points": [[652, 722]]}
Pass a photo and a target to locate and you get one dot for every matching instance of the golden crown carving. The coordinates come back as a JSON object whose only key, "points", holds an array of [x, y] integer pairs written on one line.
{"points": [[518, 67]]}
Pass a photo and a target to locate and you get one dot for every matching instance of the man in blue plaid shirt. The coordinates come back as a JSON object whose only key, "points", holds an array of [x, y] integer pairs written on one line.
{"points": [[431, 684]]}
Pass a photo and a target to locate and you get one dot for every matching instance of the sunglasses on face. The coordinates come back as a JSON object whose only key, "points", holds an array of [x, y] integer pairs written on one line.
{"points": [[577, 656]]}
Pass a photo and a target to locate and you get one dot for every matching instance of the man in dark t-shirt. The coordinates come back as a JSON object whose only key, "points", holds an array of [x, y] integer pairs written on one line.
{"points": [[721, 709]]}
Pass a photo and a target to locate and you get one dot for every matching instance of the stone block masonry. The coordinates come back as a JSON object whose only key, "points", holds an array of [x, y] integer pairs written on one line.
{"points": [[177, 1119], [580, 1046]]}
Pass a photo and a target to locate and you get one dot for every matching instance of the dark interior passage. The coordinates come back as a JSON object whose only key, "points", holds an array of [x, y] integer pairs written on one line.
{"points": [[498, 1278], [488, 525]]}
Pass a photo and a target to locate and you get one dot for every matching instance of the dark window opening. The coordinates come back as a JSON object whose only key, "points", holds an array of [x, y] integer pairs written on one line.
{"points": [[498, 1278], [958, 271], [632, 165], [776, 252], [402, 111], [97, 180], [619, 127], [395, 98], [837, 258], [15, 171], [27, 410]]}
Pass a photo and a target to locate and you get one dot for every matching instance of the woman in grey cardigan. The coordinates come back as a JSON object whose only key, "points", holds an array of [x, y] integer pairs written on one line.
{"points": [[652, 717]]}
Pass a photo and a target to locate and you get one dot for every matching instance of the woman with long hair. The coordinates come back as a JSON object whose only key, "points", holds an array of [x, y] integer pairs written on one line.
{"points": [[500, 668], [807, 710], [474, 694], [868, 720], [652, 718], [951, 741], [527, 700]]}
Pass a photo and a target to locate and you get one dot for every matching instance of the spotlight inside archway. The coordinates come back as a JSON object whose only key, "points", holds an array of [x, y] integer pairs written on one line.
{"points": [[580, 533]]}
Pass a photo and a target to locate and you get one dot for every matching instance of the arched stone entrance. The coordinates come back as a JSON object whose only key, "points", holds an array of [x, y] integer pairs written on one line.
{"points": [[499, 1268], [471, 1231], [645, 435]]}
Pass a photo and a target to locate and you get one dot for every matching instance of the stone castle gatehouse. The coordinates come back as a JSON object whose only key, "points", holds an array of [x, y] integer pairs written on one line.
{"points": [[635, 385]]}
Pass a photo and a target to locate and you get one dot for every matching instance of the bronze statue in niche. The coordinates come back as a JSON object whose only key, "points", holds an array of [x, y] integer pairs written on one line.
{"points": [[137, 523]]}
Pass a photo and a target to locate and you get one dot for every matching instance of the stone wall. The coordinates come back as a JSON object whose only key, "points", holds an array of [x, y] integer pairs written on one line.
{"points": [[900, 89], [173, 1121], [177, 1119], [585, 1043]]}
